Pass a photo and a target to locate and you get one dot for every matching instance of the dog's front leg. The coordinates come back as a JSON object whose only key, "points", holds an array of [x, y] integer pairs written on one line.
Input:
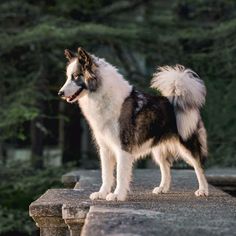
{"points": [[123, 176], [107, 165]]}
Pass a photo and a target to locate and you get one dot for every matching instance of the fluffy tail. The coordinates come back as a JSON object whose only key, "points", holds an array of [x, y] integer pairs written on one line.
{"points": [[186, 91]]}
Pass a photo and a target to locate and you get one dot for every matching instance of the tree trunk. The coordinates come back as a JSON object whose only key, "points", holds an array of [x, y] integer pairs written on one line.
{"points": [[61, 128], [3, 157], [36, 143], [37, 127], [72, 136], [2, 147]]}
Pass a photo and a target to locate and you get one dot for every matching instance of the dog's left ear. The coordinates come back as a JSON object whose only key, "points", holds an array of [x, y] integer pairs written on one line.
{"points": [[88, 67], [68, 54]]}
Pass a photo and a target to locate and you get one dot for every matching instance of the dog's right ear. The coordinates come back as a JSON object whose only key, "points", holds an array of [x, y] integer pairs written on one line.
{"points": [[68, 54], [85, 60]]}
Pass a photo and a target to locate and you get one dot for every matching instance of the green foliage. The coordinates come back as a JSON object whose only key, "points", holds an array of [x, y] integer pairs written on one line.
{"points": [[11, 220], [18, 188], [209, 44], [199, 34], [134, 35]]}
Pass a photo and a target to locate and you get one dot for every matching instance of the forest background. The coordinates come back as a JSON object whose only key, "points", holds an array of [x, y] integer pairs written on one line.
{"points": [[42, 138]]}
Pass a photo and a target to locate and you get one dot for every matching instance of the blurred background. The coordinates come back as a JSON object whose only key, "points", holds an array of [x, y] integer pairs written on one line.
{"points": [[42, 137]]}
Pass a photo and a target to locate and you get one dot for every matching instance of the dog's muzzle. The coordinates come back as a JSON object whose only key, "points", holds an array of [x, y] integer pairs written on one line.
{"points": [[76, 94], [81, 87]]}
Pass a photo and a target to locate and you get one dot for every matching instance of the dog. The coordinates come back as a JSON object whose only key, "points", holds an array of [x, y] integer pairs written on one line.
{"points": [[128, 124]]}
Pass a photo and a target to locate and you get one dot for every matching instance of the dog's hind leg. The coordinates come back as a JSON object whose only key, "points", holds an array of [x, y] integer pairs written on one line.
{"points": [[164, 164], [123, 176], [195, 163], [107, 166]]}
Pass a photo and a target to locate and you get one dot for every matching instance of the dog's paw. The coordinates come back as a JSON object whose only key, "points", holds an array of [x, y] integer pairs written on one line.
{"points": [[116, 197], [202, 193], [159, 190], [98, 195]]}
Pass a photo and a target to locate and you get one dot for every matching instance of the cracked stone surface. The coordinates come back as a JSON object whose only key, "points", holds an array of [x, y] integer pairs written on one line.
{"points": [[178, 212]]}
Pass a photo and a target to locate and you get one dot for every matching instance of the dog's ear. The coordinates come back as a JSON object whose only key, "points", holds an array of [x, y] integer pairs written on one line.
{"points": [[88, 67], [83, 57], [68, 54]]}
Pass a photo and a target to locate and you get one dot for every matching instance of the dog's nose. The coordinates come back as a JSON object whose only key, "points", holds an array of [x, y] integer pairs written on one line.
{"points": [[61, 93]]}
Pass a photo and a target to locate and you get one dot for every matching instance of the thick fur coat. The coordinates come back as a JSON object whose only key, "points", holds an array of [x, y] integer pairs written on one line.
{"points": [[128, 124]]}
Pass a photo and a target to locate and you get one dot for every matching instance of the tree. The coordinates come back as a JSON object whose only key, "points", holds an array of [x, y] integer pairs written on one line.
{"points": [[134, 35]]}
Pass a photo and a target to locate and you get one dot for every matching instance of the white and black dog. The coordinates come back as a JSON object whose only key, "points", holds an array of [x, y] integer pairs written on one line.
{"points": [[128, 124]]}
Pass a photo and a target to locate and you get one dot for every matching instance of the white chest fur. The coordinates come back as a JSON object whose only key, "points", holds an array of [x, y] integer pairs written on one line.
{"points": [[102, 107], [102, 116]]}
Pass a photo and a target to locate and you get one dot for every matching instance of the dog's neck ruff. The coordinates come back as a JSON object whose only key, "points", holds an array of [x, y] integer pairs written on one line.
{"points": [[102, 107]]}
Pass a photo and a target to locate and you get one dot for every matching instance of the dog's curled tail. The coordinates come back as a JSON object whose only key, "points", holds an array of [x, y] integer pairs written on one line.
{"points": [[186, 91]]}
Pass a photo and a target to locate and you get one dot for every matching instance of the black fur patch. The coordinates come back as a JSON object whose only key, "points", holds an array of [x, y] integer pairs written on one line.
{"points": [[144, 117]]}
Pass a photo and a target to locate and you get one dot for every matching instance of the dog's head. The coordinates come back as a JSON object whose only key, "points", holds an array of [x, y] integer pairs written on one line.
{"points": [[81, 78]]}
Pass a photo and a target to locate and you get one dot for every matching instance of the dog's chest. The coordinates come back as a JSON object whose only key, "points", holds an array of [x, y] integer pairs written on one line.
{"points": [[103, 118], [106, 131]]}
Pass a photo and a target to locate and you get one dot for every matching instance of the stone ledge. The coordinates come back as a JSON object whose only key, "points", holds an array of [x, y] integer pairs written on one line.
{"points": [[176, 213], [70, 179], [52, 212], [222, 177]]}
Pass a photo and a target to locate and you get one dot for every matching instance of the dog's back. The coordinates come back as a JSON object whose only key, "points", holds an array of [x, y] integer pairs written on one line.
{"points": [[143, 118]]}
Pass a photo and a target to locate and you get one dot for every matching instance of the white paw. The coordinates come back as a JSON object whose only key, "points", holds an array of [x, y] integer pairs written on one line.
{"points": [[159, 190], [98, 195], [201, 192], [116, 197]]}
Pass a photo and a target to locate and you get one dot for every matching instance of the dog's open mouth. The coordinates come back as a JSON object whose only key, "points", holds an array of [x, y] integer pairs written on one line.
{"points": [[75, 95]]}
